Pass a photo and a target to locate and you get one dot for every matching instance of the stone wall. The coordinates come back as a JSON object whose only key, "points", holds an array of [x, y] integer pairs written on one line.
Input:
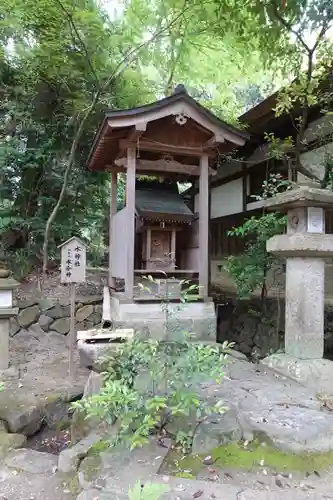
{"points": [[53, 315], [258, 335]]}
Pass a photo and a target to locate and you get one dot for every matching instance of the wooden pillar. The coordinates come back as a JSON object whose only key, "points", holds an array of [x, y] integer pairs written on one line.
{"points": [[130, 229], [113, 211], [173, 247], [203, 226], [148, 247]]}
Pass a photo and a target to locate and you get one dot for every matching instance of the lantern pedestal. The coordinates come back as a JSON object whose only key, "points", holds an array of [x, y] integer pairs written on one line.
{"points": [[305, 248], [7, 311]]}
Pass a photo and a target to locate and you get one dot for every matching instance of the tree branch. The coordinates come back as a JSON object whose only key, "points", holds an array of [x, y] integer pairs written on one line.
{"points": [[83, 45], [289, 27], [120, 68]]}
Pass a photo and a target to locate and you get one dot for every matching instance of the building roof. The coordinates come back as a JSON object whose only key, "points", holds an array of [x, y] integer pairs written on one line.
{"points": [[128, 125], [161, 201]]}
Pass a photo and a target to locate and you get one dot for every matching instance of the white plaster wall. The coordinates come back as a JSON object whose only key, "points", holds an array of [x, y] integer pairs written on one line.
{"points": [[313, 160], [119, 247], [227, 199], [227, 169]]}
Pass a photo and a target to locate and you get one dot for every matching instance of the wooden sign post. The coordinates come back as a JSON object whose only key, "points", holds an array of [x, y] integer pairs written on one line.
{"points": [[73, 270]]}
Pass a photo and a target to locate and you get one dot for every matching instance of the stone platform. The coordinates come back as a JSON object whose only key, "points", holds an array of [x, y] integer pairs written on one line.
{"points": [[148, 319]]}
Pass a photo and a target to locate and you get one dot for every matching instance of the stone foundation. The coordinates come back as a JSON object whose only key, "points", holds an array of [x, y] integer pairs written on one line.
{"points": [[258, 335], [149, 320], [53, 315]]}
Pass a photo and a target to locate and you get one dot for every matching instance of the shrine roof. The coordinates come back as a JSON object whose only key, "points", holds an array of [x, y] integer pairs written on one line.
{"points": [[121, 128], [161, 201]]}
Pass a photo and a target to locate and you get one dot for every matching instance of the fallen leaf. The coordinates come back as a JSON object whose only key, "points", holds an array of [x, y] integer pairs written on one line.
{"points": [[197, 494], [229, 476], [316, 473], [262, 463], [264, 472]]}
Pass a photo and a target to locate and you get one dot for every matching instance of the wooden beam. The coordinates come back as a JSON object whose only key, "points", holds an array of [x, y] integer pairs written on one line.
{"points": [[133, 136], [146, 145], [130, 229], [203, 227], [211, 143], [163, 166]]}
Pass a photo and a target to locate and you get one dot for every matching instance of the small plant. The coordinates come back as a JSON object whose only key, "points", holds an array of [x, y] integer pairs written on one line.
{"points": [[151, 383], [147, 491], [249, 270]]}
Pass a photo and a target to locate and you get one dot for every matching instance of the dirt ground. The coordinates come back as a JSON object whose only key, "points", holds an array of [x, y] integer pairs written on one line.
{"points": [[50, 287]]}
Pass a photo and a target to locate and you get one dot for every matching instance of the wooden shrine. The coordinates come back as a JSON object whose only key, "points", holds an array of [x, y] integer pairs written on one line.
{"points": [[172, 140]]}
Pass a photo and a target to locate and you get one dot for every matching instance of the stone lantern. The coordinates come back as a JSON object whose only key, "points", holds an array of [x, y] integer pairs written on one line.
{"points": [[7, 285], [305, 247]]}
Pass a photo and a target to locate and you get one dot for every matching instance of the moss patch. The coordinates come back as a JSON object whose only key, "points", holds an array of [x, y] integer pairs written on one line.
{"points": [[235, 456], [90, 467]]}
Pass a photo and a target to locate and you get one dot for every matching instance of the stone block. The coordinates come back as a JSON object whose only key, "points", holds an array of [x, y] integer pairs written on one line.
{"points": [[28, 316], [22, 415], [314, 373], [84, 312], [294, 429], [58, 311], [9, 442], [31, 461], [215, 431], [44, 322], [14, 327], [61, 325], [70, 458]]}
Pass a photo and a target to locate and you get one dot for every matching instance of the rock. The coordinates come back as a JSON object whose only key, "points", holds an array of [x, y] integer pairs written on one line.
{"points": [[314, 373], [23, 416], [98, 309], [256, 353], [58, 311], [294, 429], [9, 442], [46, 304], [14, 327], [89, 472], [95, 319], [91, 353], [44, 322], [24, 303], [57, 408], [28, 316], [92, 494], [70, 458], [215, 431], [84, 312], [94, 384], [31, 461], [244, 348], [237, 355], [80, 425], [36, 331], [209, 460], [61, 325], [90, 299]]}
